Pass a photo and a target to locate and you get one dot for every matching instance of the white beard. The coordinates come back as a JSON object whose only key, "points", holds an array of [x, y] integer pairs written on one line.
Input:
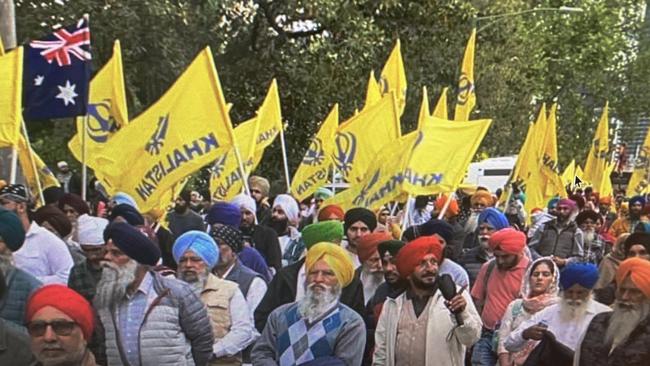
{"points": [[196, 282], [573, 310], [315, 304], [623, 321], [472, 223], [112, 286]]}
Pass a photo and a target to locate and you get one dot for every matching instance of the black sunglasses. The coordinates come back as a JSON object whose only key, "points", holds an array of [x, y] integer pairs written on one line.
{"points": [[60, 327]]}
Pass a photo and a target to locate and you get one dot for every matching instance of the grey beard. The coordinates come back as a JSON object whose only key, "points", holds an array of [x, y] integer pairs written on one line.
{"points": [[111, 288], [6, 263], [315, 304], [623, 321], [573, 310], [472, 223], [196, 282]]}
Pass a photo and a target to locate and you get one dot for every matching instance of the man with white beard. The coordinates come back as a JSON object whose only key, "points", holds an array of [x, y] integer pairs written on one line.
{"points": [[594, 243], [479, 201], [317, 327], [560, 327], [149, 320], [232, 324], [622, 337]]}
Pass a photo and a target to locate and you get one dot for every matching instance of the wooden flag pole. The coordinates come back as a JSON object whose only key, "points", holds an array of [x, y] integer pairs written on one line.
{"points": [[84, 164], [407, 214], [242, 173], [446, 206], [284, 160], [14, 165]]}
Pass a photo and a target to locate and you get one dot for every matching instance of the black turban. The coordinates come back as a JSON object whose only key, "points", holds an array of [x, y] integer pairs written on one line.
{"points": [[359, 214]]}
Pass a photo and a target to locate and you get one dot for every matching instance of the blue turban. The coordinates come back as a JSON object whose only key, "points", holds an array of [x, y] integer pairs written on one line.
{"points": [[583, 274], [553, 202], [198, 242], [128, 213], [134, 243], [225, 214], [12, 231], [637, 199], [122, 198], [494, 218], [440, 227]]}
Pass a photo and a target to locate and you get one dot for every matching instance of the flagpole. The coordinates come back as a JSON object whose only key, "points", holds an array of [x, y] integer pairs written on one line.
{"points": [[33, 163], [242, 173], [333, 179], [84, 164], [14, 164], [446, 206], [407, 209], [284, 160]]}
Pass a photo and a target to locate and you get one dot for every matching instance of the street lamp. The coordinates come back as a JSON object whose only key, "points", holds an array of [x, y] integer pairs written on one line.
{"points": [[497, 17]]}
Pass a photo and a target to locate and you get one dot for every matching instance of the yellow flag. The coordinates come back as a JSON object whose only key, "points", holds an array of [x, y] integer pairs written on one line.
{"points": [[569, 174], [393, 77], [440, 111], [640, 180], [549, 159], [605, 187], [29, 167], [531, 167], [359, 139], [11, 94], [107, 111], [424, 115], [466, 96], [597, 158], [313, 171], [187, 128], [252, 136], [373, 93], [405, 165]]}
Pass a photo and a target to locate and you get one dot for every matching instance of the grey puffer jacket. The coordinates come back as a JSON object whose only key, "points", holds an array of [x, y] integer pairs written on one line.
{"points": [[20, 285], [176, 329]]}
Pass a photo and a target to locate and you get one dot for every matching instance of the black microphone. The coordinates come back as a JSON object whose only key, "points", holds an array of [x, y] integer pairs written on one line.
{"points": [[448, 288]]}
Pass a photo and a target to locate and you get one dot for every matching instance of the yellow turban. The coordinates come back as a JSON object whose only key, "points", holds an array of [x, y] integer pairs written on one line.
{"points": [[336, 257]]}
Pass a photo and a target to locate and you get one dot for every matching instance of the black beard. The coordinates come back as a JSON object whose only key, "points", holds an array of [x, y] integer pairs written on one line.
{"points": [[424, 286], [180, 208], [280, 227]]}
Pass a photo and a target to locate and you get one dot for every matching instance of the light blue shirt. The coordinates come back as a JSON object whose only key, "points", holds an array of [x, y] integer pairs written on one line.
{"points": [[456, 271], [130, 316]]}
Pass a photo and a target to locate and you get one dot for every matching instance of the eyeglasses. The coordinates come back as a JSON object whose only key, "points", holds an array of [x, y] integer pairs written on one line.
{"points": [[60, 327]]}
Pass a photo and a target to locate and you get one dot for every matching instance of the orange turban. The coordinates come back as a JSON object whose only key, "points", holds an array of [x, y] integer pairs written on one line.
{"points": [[639, 270], [413, 252], [484, 197], [453, 208], [509, 240], [329, 210], [367, 245], [607, 200]]}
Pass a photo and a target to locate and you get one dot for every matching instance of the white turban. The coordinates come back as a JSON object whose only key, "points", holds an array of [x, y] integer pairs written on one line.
{"points": [[91, 230], [289, 206], [246, 202]]}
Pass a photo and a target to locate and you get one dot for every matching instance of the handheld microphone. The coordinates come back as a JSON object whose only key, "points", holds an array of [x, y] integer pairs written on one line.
{"points": [[448, 288]]}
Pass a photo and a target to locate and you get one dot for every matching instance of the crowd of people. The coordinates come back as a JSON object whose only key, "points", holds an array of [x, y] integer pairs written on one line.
{"points": [[464, 280]]}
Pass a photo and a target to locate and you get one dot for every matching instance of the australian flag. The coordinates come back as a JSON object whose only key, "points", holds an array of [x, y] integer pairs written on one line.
{"points": [[56, 74]]}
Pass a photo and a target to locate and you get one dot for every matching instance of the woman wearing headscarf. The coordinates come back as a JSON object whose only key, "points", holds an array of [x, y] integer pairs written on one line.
{"points": [[538, 290]]}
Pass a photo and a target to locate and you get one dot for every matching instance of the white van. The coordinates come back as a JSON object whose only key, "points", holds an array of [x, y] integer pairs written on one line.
{"points": [[492, 173]]}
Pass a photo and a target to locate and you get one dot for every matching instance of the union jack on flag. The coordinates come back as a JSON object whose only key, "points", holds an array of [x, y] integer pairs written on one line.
{"points": [[57, 73]]}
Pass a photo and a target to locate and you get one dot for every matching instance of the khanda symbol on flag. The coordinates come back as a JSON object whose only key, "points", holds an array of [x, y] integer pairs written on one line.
{"points": [[100, 121], [158, 139], [346, 148], [315, 154], [465, 88], [360, 199]]}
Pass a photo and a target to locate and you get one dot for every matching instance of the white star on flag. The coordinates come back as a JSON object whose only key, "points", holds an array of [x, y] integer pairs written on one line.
{"points": [[38, 80], [67, 93]]}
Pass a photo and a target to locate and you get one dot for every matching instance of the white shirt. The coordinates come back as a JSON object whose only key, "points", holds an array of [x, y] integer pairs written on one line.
{"points": [[569, 333], [241, 334], [256, 291], [353, 256], [44, 256]]}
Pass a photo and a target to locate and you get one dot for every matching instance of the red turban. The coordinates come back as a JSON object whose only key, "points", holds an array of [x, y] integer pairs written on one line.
{"points": [[639, 270], [65, 300], [413, 252], [453, 208], [367, 245], [326, 212], [509, 240]]}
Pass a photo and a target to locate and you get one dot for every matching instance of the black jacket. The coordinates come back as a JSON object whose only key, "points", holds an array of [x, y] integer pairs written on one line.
{"points": [[635, 351], [265, 240], [282, 290]]}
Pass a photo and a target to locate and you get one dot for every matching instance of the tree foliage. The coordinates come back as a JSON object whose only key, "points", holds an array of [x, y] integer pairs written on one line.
{"points": [[321, 52]]}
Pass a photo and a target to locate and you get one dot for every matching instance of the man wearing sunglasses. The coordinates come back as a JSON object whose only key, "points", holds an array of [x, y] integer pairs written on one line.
{"points": [[60, 323]]}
